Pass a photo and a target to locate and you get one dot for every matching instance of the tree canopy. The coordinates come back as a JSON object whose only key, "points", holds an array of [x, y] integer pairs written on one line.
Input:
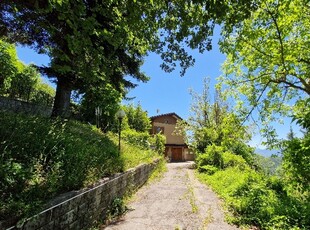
{"points": [[267, 66], [22, 81], [91, 40], [212, 123]]}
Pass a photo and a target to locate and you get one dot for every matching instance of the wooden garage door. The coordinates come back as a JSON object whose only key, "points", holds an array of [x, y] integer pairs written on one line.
{"points": [[176, 154]]}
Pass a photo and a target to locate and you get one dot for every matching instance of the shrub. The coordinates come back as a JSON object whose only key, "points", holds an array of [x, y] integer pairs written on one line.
{"points": [[208, 169], [255, 199], [41, 158], [231, 160], [241, 149], [212, 156], [217, 157], [158, 142], [136, 138]]}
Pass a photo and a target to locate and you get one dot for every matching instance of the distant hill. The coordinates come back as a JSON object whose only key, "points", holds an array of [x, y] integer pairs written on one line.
{"points": [[266, 152]]}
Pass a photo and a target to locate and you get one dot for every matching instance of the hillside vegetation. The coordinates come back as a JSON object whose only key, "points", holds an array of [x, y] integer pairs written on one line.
{"points": [[254, 191], [41, 158]]}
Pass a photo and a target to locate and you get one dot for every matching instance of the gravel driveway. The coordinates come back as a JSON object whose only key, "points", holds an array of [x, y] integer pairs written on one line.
{"points": [[177, 201]]}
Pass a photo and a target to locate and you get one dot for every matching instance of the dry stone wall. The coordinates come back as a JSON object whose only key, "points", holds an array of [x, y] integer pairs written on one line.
{"points": [[25, 107], [86, 207]]}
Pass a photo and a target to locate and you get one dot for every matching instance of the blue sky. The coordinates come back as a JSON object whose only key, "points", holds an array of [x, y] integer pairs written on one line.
{"points": [[169, 92], [166, 92]]}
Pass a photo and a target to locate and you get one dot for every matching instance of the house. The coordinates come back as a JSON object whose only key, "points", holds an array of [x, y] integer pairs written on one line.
{"points": [[176, 148]]}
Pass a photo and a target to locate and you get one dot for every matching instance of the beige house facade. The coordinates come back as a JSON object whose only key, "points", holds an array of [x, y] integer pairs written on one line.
{"points": [[176, 148]]}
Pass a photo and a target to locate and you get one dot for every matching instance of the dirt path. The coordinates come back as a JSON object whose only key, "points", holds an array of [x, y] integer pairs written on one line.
{"points": [[177, 201]]}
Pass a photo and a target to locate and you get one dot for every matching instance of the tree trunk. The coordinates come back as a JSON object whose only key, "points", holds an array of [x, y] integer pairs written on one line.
{"points": [[61, 106]]}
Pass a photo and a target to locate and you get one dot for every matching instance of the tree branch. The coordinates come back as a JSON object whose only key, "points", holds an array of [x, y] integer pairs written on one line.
{"points": [[256, 103], [289, 84]]}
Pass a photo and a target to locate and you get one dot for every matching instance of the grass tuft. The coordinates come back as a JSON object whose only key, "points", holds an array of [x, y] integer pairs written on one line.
{"points": [[41, 158]]}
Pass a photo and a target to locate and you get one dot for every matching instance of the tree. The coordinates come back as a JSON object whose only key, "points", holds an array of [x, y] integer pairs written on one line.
{"points": [[80, 37], [214, 124], [23, 83], [137, 118], [267, 66], [8, 63], [111, 38], [296, 155], [43, 94], [107, 99]]}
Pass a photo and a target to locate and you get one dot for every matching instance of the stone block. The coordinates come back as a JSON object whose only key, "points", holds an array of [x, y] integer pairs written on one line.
{"points": [[39, 220], [49, 226], [67, 219], [82, 209]]}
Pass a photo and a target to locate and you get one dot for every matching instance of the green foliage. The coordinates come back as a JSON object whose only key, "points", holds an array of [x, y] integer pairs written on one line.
{"points": [[214, 124], [253, 196], [216, 156], [212, 156], [43, 94], [8, 63], [144, 140], [117, 208], [23, 83], [41, 158], [296, 158], [158, 141], [255, 199], [137, 119], [267, 165], [140, 139], [267, 66], [232, 160], [208, 169], [107, 98]]}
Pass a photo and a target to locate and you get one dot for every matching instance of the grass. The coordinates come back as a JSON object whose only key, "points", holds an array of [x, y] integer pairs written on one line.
{"points": [[119, 206], [191, 195], [254, 199], [208, 219], [41, 158]]}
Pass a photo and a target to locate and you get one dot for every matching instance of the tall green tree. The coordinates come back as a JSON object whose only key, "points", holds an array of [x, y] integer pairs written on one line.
{"points": [[9, 66], [23, 83], [84, 38], [213, 123], [137, 118], [296, 155], [267, 66], [107, 99], [80, 37]]}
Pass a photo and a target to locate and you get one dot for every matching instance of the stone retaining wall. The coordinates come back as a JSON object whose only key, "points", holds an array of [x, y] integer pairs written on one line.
{"points": [[85, 207], [25, 107]]}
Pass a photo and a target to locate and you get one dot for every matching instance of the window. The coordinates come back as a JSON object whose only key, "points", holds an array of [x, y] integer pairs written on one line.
{"points": [[158, 129]]}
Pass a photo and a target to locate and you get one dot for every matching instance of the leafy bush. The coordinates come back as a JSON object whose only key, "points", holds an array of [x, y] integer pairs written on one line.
{"points": [[136, 118], [231, 160], [217, 157], [255, 199], [208, 169], [158, 142], [243, 150], [136, 138], [212, 156], [117, 208], [41, 158]]}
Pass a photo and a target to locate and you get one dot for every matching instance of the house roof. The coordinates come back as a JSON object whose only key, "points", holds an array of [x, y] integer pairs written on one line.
{"points": [[167, 114]]}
